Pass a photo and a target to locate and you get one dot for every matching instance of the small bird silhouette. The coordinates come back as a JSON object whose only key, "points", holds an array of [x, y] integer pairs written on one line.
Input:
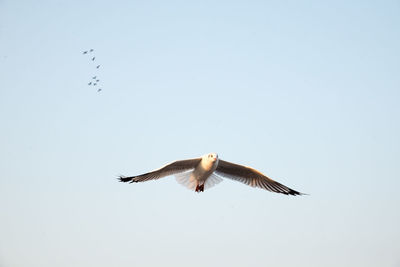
{"points": [[93, 58], [90, 83], [84, 52], [98, 66], [97, 80], [91, 50], [94, 77], [95, 84], [98, 90]]}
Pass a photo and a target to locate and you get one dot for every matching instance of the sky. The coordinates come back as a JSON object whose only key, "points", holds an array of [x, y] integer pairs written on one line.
{"points": [[306, 92]]}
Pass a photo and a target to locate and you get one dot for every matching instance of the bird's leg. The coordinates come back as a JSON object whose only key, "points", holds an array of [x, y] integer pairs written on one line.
{"points": [[199, 188]]}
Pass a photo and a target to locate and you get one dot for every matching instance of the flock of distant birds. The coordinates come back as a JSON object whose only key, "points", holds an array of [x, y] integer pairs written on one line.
{"points": [[94, 81]]}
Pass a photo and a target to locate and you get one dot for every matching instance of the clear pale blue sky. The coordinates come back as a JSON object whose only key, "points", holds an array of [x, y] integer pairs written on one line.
{"points": [[307, 92]]}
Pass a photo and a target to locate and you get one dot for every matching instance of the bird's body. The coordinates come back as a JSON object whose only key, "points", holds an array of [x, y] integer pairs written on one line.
{"points": [[201, 173], [98, 66], [93, 58]]}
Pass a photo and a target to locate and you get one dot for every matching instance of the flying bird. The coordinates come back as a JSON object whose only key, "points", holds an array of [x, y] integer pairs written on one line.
{"points": [[98, 66], [90, 83], [95, 84], [98, 90], [91, 50], [84, 52], [97, 80], [94, 77], [202, 173], [93, 58]]}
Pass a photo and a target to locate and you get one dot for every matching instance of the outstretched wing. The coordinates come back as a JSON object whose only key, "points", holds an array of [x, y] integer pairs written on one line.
{"points": [[252, 177], [169, 169]]}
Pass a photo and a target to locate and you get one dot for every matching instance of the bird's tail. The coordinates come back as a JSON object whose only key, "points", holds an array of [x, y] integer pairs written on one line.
{"points": [[187, 180], [212, 180]]}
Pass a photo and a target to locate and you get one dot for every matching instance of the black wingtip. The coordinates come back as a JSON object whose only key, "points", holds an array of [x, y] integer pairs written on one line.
{"points": [[296, 193], [124, 179]]}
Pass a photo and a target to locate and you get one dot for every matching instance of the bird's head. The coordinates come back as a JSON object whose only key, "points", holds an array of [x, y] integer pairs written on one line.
{"points": [[213, 157]]}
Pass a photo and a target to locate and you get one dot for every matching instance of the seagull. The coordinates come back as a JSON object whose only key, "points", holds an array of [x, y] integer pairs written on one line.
{"points": [[202, 173], [93, 58], [84, 52], [98, 66]]}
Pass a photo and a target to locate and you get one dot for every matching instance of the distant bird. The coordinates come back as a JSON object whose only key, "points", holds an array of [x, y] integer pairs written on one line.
{"points": [[97, 80], [98, 66], [98, 90], [91, 50], [85, 52], [94, 77], [93, 58], [90, 83], [95, 84], [202, 173]]}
